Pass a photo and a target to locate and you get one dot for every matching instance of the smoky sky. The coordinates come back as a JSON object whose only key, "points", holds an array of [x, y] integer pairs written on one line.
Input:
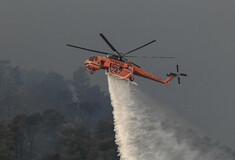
{"points": [[201, 34]]}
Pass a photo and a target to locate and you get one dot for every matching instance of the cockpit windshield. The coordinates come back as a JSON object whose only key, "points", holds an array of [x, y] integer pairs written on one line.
{"points": [[93, 58]]}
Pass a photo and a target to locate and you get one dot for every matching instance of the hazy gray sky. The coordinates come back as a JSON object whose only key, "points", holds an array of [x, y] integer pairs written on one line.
{"points": [[200, 33]]}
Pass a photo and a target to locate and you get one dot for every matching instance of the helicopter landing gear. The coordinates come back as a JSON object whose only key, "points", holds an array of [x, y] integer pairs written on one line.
{"points": [[131, 78]]}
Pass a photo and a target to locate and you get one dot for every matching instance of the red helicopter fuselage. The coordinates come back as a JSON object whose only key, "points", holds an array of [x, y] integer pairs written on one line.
{"points": [[121, 69]]}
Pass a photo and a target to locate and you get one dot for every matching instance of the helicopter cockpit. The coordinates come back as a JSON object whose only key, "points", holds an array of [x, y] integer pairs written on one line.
{"points": [[93, 58]]}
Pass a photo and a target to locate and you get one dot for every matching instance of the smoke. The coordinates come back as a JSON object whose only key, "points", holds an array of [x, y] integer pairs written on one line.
{"points": [[147, 131]]}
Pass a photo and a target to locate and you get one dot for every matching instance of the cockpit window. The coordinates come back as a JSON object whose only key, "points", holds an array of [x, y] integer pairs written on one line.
{"points": [[91, 59]]}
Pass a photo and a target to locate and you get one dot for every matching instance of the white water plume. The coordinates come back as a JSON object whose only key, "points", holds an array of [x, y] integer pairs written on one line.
{"points": [[146, 131]]}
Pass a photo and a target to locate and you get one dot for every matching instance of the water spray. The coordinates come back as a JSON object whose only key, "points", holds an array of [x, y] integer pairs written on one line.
{"points": [[147, 131]]}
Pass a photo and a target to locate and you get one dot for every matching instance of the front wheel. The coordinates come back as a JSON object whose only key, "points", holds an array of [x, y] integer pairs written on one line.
{"points": [[131, 78], [92, 72]]}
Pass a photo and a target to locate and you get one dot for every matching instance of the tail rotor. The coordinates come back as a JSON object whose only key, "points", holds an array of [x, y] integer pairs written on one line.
{"points": [[178, 74]]}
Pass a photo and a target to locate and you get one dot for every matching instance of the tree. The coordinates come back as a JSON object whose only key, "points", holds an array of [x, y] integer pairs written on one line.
{"points": [[105, 136], [17, 130], [52, 120], [93, 104], [6, 144], [51, 124], [33, 125], [51, 156], [55, 90], [10, 82], [76, 144]]}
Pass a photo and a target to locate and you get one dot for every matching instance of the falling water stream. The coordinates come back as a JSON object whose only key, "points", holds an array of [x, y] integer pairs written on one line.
{"points": [[146, 130]]}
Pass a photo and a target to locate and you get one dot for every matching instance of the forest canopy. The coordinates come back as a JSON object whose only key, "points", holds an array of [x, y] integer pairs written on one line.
{"points": [[46, 117]]}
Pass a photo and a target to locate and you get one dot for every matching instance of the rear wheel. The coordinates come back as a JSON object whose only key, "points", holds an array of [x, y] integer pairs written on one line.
{"points": [[131, 78]]}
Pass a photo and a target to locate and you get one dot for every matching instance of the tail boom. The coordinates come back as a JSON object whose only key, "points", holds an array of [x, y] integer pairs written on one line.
{"points": [[142, 73]]}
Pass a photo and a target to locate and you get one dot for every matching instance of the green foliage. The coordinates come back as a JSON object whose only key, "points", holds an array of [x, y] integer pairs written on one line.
{"points": [[104, 129], [18, 138], [53, 89], [76, 143], [46, 117], [33, 122], [105, 136], [52, 121], [79, 143], [73, 143], [17, 128], [92, 102], [51, 156], [6, 144]]}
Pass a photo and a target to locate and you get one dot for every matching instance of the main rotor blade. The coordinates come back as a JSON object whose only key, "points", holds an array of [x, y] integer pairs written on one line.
{"points": [[87, 49], [110, 45], [178, 81], [148, 57], [183, 74], [177, 68], [140, 47]]}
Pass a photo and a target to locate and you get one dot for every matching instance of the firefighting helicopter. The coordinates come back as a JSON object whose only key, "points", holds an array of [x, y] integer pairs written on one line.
{"points": [[118, 66]]}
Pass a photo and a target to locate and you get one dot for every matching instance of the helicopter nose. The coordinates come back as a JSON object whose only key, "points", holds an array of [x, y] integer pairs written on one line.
{"points": [[87, 63], [92, 65]]}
